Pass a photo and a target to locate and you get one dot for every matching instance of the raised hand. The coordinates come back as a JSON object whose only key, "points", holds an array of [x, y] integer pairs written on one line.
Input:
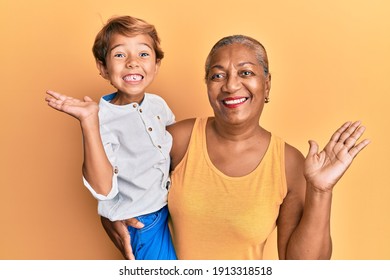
{"points": [[323, 169], [80, 109]]}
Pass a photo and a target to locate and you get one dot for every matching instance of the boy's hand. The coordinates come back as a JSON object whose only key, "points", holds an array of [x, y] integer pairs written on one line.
{"points": [[80, 109]]}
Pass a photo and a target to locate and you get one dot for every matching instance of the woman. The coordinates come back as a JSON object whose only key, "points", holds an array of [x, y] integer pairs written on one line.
{"points": [[233, 181]]}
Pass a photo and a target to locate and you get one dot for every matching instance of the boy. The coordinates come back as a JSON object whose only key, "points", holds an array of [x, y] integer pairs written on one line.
{"points": [[126, 147]]}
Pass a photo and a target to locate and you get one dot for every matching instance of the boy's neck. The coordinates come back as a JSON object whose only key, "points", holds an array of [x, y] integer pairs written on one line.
{"points": [[124, 99]]}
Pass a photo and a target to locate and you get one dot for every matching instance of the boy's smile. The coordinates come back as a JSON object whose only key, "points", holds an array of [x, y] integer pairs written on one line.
{"points": [[133, 78]]}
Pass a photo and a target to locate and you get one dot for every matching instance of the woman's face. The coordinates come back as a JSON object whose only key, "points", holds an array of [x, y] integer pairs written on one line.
{"points": [[236, 84]]}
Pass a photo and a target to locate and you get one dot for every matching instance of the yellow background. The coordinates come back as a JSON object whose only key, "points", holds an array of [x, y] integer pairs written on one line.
{"points": [[330, 62]]}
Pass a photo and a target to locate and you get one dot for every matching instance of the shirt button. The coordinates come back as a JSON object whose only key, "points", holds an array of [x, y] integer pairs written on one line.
{"points": [[158, 117], [150, 129], [140, 110], [158, 146], [116, 171], [134, 105]]}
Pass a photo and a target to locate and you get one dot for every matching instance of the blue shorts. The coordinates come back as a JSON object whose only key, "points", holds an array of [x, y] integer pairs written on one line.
{"points": [[153, 241]]}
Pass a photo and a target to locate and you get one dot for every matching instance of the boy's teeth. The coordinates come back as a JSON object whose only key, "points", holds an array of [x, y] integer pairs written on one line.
{"points": [[133, 78]]}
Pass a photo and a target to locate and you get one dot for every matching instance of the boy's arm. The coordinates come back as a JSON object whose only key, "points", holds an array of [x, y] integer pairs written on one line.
{"points": [[97, 169]]}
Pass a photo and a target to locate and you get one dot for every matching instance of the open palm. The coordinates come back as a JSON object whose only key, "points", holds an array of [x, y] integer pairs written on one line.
{"points": [[80, 109], [323, 169]]}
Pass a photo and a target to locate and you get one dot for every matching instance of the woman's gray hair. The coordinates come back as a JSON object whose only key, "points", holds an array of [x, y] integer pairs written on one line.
{"points": [[240, 39]]}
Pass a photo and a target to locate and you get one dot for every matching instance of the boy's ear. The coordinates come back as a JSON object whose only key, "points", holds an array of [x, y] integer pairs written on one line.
{"points": [[158, 63], [102, 69]]}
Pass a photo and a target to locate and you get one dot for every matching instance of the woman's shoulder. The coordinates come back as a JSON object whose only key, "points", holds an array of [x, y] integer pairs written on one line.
{"points": [[182, 128], [292, 154], [181, 133], [294, 164]]}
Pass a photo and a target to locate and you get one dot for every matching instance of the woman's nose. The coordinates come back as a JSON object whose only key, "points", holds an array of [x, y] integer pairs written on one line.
{"points": [[232, 84]]}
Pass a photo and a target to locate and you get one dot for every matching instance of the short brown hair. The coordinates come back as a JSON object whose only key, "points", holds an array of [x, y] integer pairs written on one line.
{"points": [[127, 26]]}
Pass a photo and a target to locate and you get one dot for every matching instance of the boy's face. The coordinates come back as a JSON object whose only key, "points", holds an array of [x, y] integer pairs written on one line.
{"points": [[130, 65]]}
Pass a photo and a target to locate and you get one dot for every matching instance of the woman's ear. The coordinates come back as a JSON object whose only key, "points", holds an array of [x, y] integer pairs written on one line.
{"points": [[267, 84], [102, 69], [267, 87]]}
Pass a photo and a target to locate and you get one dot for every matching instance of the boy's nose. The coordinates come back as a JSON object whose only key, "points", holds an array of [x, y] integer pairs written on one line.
{"points": [[132, 63]]}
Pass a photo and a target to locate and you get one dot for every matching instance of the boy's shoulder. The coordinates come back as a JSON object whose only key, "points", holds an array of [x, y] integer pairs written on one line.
{"points": [[154, 96], [155, 99]]}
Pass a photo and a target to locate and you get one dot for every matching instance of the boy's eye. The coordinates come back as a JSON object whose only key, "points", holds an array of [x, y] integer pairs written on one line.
{"points": [[119, 55], [144, 54]]}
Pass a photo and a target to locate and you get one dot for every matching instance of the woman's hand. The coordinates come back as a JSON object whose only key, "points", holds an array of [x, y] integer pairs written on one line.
{"points": [[324, 169], [119, 234]]}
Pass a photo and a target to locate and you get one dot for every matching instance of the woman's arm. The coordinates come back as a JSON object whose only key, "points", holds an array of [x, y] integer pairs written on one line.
{"points": [[119, 235], [304, 220]]}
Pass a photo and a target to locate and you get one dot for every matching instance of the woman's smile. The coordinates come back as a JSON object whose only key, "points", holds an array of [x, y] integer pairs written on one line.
{"points": [[234, 102]]}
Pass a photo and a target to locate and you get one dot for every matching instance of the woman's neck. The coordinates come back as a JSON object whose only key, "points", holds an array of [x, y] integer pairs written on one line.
{"points": [[235, 132]]}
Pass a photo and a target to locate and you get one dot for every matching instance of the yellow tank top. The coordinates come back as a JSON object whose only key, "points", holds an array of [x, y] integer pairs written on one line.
{"points": [[214, 216]]}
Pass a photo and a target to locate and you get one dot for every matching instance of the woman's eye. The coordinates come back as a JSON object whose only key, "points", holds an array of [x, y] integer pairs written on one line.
{"points": [[246, 73], [217, 76]]}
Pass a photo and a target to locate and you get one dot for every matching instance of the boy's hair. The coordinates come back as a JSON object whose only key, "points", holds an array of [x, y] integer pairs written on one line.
{"points": [[240, 39], [127, 26]]}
